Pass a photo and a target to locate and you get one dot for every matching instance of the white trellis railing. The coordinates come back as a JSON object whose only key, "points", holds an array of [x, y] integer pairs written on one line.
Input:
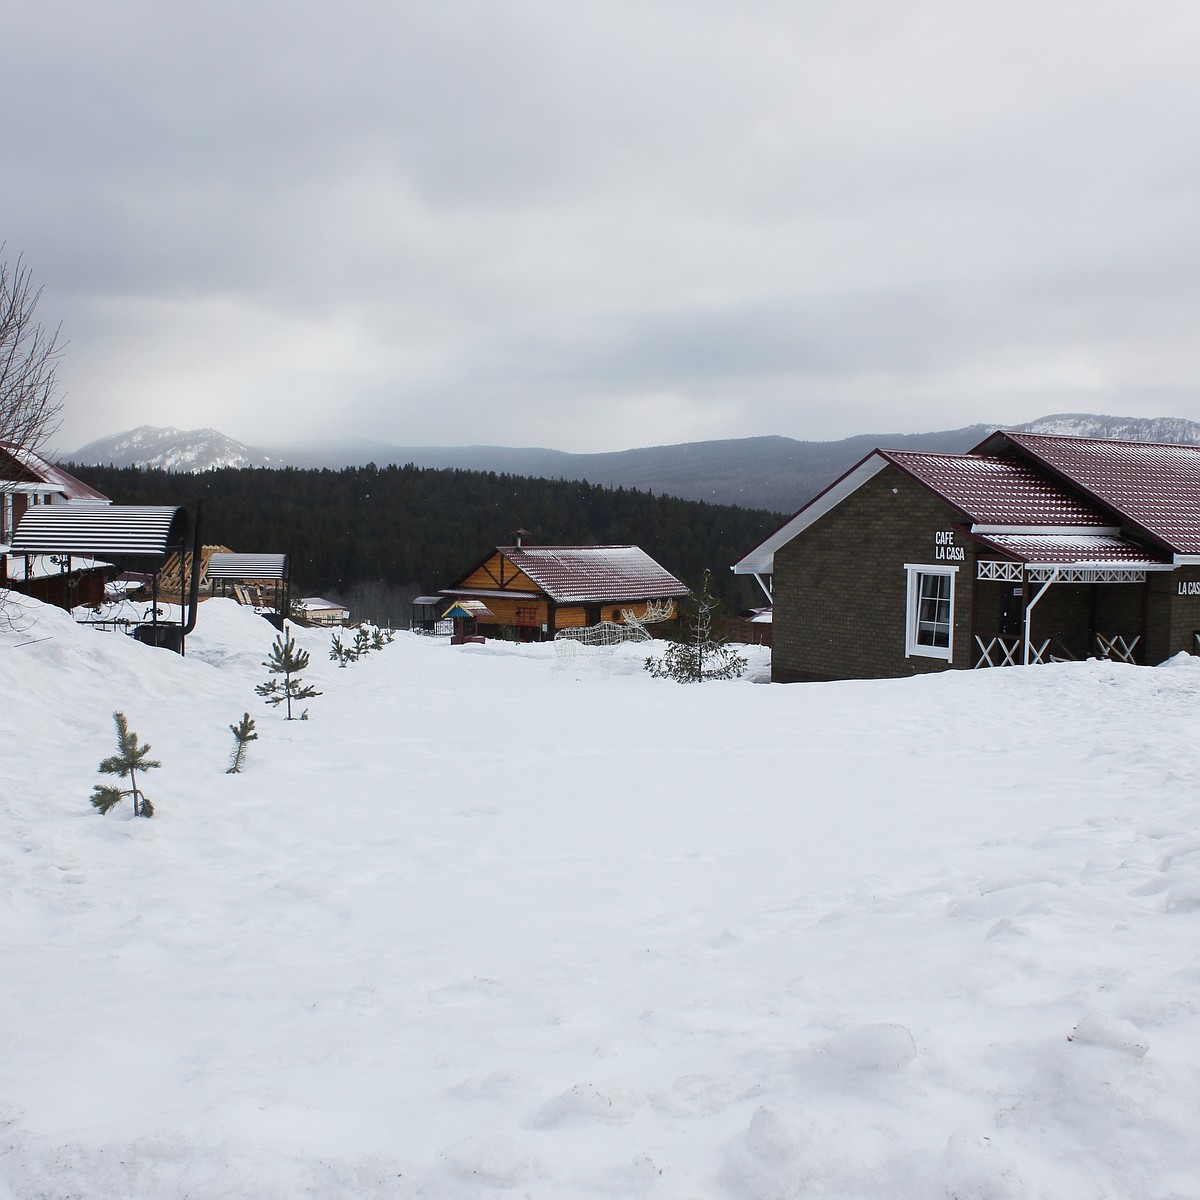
{"points": [[1117, 647]]}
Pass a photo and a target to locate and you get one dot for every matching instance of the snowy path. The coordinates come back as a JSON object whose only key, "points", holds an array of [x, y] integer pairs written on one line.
{"points": [[472, 929]]}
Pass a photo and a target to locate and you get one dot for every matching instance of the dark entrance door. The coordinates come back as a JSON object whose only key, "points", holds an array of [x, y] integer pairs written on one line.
{"points": [[1012, 610]]}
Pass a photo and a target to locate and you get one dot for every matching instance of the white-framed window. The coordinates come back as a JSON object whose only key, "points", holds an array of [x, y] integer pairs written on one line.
{"points": [[929, 620]]}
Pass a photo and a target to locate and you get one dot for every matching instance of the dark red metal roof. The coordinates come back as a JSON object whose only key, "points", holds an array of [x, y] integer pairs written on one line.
{"points": [[17, 463], [998, 491], [1155, 486], [1080, 549], [583, 574]]}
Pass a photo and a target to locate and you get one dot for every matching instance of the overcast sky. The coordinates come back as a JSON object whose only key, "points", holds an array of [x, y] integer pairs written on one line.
{"points": [[596, 225]]}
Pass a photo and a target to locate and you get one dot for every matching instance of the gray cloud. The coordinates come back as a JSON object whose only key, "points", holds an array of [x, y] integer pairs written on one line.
{"points": [[603, 224]]}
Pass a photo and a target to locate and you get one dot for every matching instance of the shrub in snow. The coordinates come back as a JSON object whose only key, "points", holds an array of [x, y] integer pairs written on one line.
{"points": [[243, 735], [129, 759], [286, 660], [701, 655]]}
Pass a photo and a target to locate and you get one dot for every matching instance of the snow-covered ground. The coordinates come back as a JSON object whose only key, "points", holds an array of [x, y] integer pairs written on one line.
{"points": [[474, 929]]}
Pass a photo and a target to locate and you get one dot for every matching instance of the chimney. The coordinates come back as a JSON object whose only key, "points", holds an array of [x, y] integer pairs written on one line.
{"points": [[519, 537]]}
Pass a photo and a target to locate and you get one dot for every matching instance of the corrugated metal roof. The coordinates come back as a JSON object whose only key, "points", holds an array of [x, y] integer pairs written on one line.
{"points": [[1072, 549], [99, 529], [44, 471], [247, 566], [998, 491], [590, 574], [1154, 485]]}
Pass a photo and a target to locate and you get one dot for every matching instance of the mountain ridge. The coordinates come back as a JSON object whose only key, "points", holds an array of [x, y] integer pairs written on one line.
{"points": [[766, 471]]}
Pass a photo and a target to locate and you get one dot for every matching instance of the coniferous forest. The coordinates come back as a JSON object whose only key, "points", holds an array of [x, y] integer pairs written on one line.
{"points": [[374, 537]]}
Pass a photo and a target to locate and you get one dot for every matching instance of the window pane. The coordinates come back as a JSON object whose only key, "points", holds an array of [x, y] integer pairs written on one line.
{"points": [[933, 610]]}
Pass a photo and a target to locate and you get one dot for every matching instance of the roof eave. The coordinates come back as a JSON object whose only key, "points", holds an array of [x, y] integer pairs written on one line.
{"points": [[761, 560]]}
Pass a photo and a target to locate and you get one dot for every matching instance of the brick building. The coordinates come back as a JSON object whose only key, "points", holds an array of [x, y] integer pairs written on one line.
{"points": [[1027, 549]]}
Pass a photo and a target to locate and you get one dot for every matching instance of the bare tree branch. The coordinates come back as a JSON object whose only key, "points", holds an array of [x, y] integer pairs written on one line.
{"points": [[29, 358]]}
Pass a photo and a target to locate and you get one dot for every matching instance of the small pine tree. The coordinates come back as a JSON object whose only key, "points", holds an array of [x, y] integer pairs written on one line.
{"points": [[286, 660], [129, 759], [340, 653], [243, 735], [381, 638], [362, 642], [701, 656]]}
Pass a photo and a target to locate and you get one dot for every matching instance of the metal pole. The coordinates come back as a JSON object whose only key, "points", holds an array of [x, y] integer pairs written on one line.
{"points": [[1029, 612]]}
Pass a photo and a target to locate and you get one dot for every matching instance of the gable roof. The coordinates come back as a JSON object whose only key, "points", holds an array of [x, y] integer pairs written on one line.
{"points": [[1152, 486], [1021, 490], [577, 574], [998, 491], [586, 574], [19, 465]]}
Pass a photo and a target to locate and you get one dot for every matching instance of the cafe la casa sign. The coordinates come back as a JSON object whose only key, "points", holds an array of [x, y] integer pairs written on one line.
{"points": [[944, 548]]}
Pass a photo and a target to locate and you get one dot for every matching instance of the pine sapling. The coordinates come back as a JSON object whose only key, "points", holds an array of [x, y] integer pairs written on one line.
{"points": [[362, 642], [381, 638], [243, 735], [286, 660], [340, 653], [126, 763], [702, 655]]}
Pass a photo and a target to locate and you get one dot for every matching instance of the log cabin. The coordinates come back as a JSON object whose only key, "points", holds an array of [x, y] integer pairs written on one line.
{"points": [[532, 592]]}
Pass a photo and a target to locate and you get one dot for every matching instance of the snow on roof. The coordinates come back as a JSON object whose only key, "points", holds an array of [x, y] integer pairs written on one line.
{"points": [[1101, 550], [316, 603], [1155, 485], [47, 472], [582, 574], [43, 566], [475, 609]]}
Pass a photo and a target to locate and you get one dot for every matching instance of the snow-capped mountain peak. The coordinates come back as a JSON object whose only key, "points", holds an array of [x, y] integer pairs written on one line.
{"points": [[186, 451], [1131, 429]]}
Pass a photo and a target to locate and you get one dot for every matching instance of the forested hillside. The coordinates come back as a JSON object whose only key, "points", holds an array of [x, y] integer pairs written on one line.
{"points": [[373, 537]]}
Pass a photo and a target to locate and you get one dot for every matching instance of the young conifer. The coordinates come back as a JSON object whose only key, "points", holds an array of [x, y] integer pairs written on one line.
{"points": [[702, 655], [340, 653], [362, 642], [129, 759], [243, 735], [287, 660]]}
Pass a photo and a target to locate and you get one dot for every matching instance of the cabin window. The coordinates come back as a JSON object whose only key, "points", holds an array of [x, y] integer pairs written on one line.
{"points": [[930, 615]]}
